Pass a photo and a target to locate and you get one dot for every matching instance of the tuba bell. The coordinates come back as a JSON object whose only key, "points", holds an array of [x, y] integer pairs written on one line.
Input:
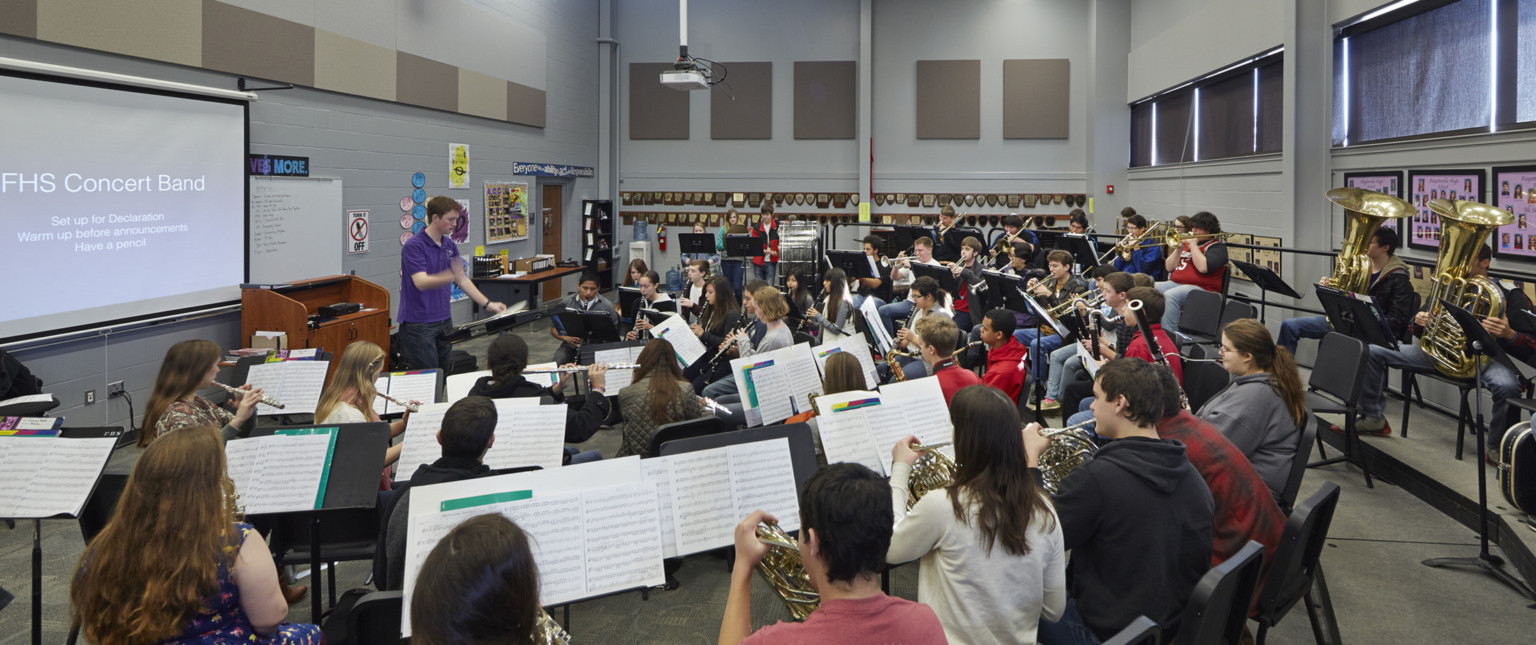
{"points": [[785, 571], [1465, 228], [1364, 212]]}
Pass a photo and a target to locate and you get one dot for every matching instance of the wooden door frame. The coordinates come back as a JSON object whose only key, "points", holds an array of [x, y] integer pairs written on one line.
{"points": [[567, 189]]}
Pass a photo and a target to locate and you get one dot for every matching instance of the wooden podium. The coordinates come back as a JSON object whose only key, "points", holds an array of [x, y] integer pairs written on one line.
{"points": [[287, 309]]}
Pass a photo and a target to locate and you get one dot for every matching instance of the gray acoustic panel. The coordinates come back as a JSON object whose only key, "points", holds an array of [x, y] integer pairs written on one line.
{"points": [[826, 99], [241, 41], [655, 112], [19, 18], [426, 82], [746, 110], [949, 99], [1036, 98], [525, 105]]}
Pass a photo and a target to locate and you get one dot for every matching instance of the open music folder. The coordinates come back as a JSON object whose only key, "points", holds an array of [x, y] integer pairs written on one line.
{"points": [[776, 385], [862, 427], [702, 495], [296, 384], [416, 385], [676, 331], [594, 528], [855, 345], [527, 434], [43, 474], [283, 472]]}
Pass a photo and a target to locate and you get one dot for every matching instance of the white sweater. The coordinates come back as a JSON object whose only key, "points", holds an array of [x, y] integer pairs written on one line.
{"points": [[979, 597]]}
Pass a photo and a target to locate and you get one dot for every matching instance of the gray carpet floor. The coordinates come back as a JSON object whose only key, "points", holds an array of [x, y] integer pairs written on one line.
{"points": [[1380, 591]]}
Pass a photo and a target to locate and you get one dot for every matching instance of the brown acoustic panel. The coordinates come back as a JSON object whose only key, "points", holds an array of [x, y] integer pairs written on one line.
{"points": [[19, 18], [746, 112], [525, 105], [1036, 99], [949, 99], [426, 82], [826, 99], [241, 41], [655, 112]]}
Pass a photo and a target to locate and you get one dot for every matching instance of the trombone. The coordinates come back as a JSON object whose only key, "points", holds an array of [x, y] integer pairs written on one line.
{"points": [[1128, 245], [1004, 243], [1172, 239]]}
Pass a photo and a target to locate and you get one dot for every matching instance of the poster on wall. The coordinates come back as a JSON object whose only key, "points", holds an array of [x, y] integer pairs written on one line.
{"points": [[458, 165], [1425, 185], [1386, 182], [1241, 255], [1514, 190], [506, 212]]}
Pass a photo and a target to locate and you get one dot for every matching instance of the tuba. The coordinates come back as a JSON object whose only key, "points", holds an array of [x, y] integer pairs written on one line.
{"points": [[933, 470], [1070, 447], [1364, 212], [1466, 227], [785, 571]]}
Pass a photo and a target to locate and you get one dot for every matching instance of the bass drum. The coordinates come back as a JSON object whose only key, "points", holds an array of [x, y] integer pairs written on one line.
{"points": [[1517, 467]]}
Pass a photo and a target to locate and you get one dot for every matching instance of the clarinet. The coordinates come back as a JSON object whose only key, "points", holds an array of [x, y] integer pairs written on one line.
{"points": [[1145, 326], [746, 324], [1093, 334]]}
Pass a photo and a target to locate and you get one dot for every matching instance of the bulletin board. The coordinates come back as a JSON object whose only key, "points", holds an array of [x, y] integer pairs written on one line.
{"points": [[1386, 182], [1514, 190], [506, 212], [1240, 255], [1426, 185]]}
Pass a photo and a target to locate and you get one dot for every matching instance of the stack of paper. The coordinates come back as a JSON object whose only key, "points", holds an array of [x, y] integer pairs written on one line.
{"points": [[527, 434], [42, 475]]}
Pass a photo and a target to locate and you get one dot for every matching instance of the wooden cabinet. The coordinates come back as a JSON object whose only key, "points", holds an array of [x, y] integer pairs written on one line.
{"points": [[288, 309]]}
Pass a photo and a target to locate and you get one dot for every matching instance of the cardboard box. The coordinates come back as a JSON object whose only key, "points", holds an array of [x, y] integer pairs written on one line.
{"points": [[269, 340], [537, 263]]}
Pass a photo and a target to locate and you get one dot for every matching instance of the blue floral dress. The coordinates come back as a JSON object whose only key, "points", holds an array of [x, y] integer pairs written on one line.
{"points": [[225, 623]]}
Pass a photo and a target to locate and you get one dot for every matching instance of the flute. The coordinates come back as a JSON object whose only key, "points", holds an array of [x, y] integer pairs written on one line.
{"points": [[241, 393], [409, 407], [579, 368]]}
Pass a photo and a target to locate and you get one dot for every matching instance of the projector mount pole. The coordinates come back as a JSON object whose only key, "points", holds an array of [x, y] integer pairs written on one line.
{"points": [[682, 34]]}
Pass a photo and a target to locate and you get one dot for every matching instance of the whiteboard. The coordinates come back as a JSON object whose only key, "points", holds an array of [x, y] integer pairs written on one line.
{"points": [[296, 228]]}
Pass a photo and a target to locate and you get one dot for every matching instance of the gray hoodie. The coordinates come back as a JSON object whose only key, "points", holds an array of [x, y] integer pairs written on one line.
{"points": [[1253, 417]]}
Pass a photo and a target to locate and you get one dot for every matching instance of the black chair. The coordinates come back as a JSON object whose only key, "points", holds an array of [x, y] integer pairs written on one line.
{"points": [[1236, 310], [345, 535], [1304, 441], [1334, 388], [94, 516], [1142, 631], [1219, 605], [1200, 320], [802, 337], [684, 429], [1295, 574], [1465, 388], [374, 620], [1202, 381]]}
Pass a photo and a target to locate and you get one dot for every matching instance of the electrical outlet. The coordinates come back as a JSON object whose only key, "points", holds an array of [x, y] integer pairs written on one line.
{"points": [[90, 397], [114, 389]]}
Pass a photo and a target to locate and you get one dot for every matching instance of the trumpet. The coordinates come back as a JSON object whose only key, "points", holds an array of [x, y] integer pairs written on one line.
{"points": [[409, 407], [577, 368], [1092, 303], [239, 392]]}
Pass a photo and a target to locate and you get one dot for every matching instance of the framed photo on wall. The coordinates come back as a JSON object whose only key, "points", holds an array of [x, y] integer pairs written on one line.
{"points": [[1514, 190], [1426, 185], [1386, 182]]}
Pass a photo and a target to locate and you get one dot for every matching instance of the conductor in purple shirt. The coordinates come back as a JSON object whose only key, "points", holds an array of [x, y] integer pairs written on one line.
{"points": [[429, 263]]}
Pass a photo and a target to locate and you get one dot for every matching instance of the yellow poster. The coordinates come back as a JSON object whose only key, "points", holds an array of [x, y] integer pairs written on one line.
{"points": [[458, 165]]}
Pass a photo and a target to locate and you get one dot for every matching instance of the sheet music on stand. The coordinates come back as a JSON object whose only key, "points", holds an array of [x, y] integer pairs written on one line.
{"points": [[527, 434], [283, 472], [676, 331], [702, 495], [594, 528], [855, 345], [623, 353], [876, 325], [1355, 315], [862, 427], [43, 474], [1042, 315], [775, 385], [296, 384], [416, 385]]}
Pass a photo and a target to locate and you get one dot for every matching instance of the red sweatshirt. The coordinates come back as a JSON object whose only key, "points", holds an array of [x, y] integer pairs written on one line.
{"points": [[1005, 368]]}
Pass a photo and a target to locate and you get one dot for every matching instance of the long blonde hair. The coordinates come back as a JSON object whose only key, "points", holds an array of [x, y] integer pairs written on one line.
{"points": [[180, 502], [353, 382], [180, 375]]}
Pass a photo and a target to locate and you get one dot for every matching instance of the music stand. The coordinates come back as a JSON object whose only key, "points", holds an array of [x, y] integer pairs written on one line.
{"points": [[1267, 282], [352, 482], [1356, 316], [1081, 250], [906, 235], [696, 243], [853, 263], [744, 246], [589, 326], [947, 281], [1479, 344], [629, 298]]}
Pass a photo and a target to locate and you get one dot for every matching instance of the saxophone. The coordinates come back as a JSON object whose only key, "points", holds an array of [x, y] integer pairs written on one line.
{"points": [[1364, 212], [785, 572], [1465, 228]]}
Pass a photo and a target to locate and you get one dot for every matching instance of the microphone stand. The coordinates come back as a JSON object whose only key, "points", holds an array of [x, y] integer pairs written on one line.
{"points": [[1479, 345]]}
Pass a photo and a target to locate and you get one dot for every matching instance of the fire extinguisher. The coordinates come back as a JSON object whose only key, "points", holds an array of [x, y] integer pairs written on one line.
{"points": [[661, 237]]}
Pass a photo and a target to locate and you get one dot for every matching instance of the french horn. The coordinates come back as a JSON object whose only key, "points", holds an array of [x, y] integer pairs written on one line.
{"points": [[785, 572], [1070, 447]]}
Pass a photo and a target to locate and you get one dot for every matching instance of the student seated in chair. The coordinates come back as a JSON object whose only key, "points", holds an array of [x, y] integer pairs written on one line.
{"points": [[936, 339], [845, 531], [469, 429], [508, 356]]}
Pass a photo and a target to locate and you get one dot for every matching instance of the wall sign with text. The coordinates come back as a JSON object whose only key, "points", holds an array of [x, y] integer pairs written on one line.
{"points": [[278, 166]]}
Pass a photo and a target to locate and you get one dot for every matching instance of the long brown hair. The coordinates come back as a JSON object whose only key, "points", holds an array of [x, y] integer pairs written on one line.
{"points": [[837, 287], [1249, 336], [658, 360], [636, 264], [507, 357], [480, 584], [180, 375], [989, 452], [353, 382], [843, 374], [724, 305], [179, 501]]}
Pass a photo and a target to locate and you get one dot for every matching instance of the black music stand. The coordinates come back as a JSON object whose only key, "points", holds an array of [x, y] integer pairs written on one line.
{"points": [[589, 326], [1479, 344], [1080, 248], [1356, 316], [351, 483], [853, 263], [744, 246], [696, 243], [1004, 291], [1267, 282], [37, 525], [947, 281], [906, 235]]}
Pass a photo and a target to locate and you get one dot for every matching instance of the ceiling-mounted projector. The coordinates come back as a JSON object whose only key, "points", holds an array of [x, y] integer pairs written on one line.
{"points": [[686, 80], [687, 74]]}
